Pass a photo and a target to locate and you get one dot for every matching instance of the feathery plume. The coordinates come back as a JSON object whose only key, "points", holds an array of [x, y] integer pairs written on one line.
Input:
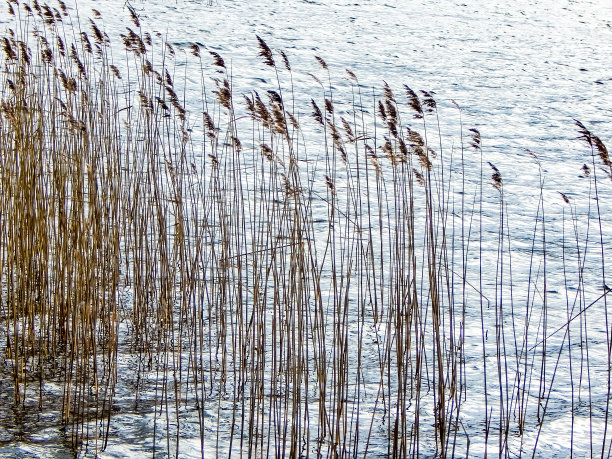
{"points": [[46, 55], [267, 152], [391, 111], [419, 177], [25, 52], [61, 46], [170, 49], [265, 52], [336, 137], [8, 49], [252, 112], [314, 77], [134, 16], [351, 75], [414, 102], [237, 144], [317, 115], [162, 104], [285, 60], [381, 110], [428, 101], [496, 177], [145, 102], [262, 111], [321, 62], [387, 92], [211, 130], [475, 142], [275, 98], [224, 94], [403, 149], [217, 59], [195, 49], [98, 36], [415, 139], [348, 130], [76, 59], [86, 42], [293, 120], [423, 159], [594, 142]]}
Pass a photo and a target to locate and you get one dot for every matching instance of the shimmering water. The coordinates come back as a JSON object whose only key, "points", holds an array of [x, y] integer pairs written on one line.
{"points": [[521, 71]]}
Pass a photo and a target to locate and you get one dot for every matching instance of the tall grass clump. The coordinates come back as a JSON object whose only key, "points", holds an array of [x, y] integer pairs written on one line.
{"points": [[61, 204], [271, 273]]}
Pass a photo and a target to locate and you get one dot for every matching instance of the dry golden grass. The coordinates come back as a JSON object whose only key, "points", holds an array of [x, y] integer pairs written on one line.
{"points": [[314, 303]]}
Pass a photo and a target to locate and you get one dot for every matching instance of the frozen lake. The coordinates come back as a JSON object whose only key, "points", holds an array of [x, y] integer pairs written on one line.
{"points": [[521, 72]]}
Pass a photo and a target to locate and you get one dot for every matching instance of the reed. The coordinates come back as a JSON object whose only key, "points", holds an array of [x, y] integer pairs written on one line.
{"points": [[257, 276]]}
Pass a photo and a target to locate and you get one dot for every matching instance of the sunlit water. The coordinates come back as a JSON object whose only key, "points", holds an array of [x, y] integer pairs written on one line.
{"points": [[521, 72]]}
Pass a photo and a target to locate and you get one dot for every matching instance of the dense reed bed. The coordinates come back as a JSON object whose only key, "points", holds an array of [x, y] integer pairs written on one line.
{"points": [[241, 275]]}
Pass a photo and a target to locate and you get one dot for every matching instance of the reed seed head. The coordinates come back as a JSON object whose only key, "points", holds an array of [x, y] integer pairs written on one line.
{"points": [[321, 62], [475, 141], [265, 52], [382, 112], [195, 49], [134, 16], [316, 112], [351, 75], [285, 60], [496, 177], [414, 102], [429, 101], [348, 130]]}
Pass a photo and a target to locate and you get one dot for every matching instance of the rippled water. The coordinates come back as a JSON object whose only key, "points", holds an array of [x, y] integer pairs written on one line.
{"points": [[521, 71]]}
